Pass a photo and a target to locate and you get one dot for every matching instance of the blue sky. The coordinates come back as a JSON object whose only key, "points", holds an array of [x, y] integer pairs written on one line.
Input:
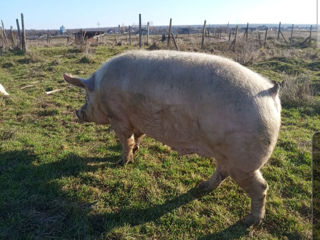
{"points": [[45, 14]]}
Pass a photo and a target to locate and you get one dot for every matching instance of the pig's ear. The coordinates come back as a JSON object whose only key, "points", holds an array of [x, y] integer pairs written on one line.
{"points": [[74, 81]]}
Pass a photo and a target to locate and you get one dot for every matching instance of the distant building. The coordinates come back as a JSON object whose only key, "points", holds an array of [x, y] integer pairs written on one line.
{"points": [[62, 30]]}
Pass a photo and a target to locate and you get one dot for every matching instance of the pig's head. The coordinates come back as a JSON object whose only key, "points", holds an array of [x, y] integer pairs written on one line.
{"points": [[90, 111]]}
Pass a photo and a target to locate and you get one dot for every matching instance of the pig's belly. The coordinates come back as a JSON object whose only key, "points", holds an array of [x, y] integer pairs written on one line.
{"points": [[175, 126]]}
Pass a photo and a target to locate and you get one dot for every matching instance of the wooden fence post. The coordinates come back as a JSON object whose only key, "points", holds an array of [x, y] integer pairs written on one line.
{"points": [[147, 33], [12, 37], [235, 36], [4, 33], [174, 41], [203, 33], [18, 28], [246, 32], [169, 33], [279, 30], [23, 36], [283, 37], [291, 34], [48, 37], [315, 185], [140, 30], [308, 39], [1, 38], [233, 43], [129, 34], [265, 38], [259, 38]]}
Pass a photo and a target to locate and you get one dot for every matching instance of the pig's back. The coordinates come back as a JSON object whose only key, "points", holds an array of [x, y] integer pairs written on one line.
{"points": [[191, 101]]}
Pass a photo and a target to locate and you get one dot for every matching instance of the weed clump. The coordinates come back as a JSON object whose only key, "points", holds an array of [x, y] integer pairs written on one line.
{"points": [[86, 59], [31, 57], [298, 91], [8, 64]]}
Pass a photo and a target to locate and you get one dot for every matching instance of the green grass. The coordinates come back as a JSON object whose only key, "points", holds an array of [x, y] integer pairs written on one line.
{"points": [[58, 178]]}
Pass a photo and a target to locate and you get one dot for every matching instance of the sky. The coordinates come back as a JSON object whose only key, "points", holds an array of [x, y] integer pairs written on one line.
{"points": [[51, 14]]}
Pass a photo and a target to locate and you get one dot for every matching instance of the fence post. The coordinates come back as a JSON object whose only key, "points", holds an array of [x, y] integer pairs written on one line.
{"points": [[233, 43], [291, 34], [310, 32], [203, 33], [48, 37], [18, 28], [147, 33], [169, 34], [129, 34], [265, 38], [23, 36], [4, 33], [279, 30], [174, 41], [12, 37], [259, 38], [235, 36], [315, 185], [246, 32], [139, 30]]}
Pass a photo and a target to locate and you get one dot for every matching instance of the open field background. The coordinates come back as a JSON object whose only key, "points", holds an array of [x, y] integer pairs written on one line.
{"points": [[59, 180]]}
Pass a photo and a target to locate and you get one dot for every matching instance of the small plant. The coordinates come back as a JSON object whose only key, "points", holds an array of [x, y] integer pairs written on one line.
{"points": [[86, 59], [31, 57], [297, 91]]}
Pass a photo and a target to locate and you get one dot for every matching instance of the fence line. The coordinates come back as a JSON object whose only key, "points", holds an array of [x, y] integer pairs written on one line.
{"points": [[18, 38]]}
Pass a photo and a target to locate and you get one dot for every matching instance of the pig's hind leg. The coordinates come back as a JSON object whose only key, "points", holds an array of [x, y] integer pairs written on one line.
{"points": [[256, 187]]}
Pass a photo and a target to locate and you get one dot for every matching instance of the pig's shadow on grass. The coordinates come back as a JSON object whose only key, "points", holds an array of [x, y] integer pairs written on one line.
{"points": [[33, 203]]}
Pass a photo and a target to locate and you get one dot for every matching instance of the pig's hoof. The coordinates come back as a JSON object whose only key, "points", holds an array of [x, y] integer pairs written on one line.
{"points": [[124, 161], [252, 220], [121, 162]]}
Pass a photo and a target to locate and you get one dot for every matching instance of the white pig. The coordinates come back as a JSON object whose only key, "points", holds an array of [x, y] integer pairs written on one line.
{"points": [[194, 103]]}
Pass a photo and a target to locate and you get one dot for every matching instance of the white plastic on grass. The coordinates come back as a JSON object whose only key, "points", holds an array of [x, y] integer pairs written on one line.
{"points": [[3, 91]]}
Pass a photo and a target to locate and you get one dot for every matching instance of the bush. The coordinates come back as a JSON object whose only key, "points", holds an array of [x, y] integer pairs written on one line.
{"points": [[298, 91], [86, 59]]}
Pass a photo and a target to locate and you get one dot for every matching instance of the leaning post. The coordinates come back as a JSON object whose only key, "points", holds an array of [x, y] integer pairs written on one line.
{"points": [[140, 30], [203, 33], [23, 35], [18, 28], [129, 34], [4, 33], [247, 32], [169, 34], [291, 34], [12, 37], [148, 33], [265, 37], [279, 30]]}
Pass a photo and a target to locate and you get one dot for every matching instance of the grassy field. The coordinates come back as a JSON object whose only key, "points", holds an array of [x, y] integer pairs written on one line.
{"points": [[59, 178]]}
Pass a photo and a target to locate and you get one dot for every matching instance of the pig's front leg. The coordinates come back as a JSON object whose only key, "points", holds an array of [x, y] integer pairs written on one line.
{"points": [[126, 137]]}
